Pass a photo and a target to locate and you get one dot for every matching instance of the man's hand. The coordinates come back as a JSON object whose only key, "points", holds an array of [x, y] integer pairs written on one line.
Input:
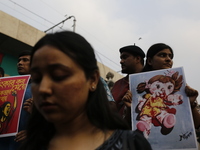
{"points": [[28, 104], [20, 136], [127, 99]]}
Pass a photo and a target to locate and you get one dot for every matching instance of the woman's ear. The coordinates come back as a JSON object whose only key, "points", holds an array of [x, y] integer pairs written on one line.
{"points": [[149, 61], [94, 79]]}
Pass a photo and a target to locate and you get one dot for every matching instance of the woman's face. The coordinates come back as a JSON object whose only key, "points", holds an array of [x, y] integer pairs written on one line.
{"points": [[162, 60], [6, 110], [59, 86]]}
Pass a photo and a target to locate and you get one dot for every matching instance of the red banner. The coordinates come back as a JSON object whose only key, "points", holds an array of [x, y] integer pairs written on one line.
{"points": [[12, 91]]}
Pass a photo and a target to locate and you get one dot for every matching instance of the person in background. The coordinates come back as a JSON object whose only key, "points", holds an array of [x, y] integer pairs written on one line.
{"points": [[71, 109], [1, 72], [110, 82], [23, 67], [109, 95], [132, 61], [13, 142], [160, 56]]}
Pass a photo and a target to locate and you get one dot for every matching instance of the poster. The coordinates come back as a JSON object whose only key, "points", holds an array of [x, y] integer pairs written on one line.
{"points": [[161, 109], [12, 91]]}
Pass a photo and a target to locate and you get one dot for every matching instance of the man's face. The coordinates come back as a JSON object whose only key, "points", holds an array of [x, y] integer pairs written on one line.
{"points": [[23, 65], [128, 63]]}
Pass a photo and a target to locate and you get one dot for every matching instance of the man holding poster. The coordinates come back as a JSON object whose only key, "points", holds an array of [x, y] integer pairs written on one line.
{"points": [[132, 61]]}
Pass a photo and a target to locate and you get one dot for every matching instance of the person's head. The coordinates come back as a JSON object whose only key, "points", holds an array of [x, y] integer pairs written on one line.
{"points": [[109, 75], [1, 72], [66, 85], [5, 109], [132, 59], [159, 56], [23, 65], [64, 74]]}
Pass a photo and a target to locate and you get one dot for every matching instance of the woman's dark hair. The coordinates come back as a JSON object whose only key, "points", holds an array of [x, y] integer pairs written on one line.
{"points": [[152, 51], [39, 131], [2, 71], [2, 107]]}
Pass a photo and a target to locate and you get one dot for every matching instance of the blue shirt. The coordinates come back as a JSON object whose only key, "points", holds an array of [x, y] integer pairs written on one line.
{"points": [[109, 95]]}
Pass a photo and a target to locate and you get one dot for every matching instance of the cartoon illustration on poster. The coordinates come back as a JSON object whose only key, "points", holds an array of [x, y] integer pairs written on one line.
{"points": [[11, 97], [161, 109]]}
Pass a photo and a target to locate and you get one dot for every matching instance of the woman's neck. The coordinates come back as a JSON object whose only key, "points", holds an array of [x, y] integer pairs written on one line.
{"points": [[80, 123], [78, 134]]}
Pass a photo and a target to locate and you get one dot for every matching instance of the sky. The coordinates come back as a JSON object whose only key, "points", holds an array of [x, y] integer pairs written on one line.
{"points": [[109, 25]]}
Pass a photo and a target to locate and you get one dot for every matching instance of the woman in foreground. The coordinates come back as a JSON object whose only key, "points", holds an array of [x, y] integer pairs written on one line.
{"points": [[71, 109]]}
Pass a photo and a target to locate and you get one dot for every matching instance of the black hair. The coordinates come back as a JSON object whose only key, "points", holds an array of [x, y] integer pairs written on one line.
{"points": [[4, 105], [24, 53], [135, 51], [152, 51], [39, 131], [2, 71]]}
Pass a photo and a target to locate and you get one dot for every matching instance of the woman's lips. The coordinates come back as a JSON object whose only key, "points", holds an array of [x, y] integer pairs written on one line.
{"points": [[46, 106], [168, 65], [20, 68]]}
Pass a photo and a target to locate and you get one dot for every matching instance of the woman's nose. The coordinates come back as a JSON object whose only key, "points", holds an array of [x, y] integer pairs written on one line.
{"points": [[45, 86], [168, 58]]}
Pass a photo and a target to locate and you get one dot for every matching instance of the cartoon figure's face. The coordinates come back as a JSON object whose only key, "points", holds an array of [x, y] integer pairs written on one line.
{"points": [[6, 110], [161, 89]]}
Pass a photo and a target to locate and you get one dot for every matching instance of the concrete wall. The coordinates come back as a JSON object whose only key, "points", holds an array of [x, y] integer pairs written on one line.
{"points": [[104, 70], [19, 30]]}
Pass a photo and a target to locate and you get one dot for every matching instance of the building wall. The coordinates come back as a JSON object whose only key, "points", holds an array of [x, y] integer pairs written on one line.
{"points": [[19, 30], [104, 70]]}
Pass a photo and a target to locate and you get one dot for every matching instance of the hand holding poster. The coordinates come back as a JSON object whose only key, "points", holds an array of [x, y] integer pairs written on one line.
{"points": [[11, 97], [161, 109]]}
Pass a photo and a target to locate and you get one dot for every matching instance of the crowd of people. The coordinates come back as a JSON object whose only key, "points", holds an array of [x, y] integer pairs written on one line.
{"points": [[68, 105]]}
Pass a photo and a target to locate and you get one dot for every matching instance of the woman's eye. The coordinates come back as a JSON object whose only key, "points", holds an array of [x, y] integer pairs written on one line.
{"points": [[59, 78], [170, 56], [162, 55], [36, 78]]}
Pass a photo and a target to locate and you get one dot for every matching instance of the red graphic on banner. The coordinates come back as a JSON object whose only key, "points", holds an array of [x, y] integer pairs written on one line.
{"points": [[12, 91]]}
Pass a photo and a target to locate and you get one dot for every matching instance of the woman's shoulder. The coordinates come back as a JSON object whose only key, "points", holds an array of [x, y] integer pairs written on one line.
{"points": [[126, 140]]}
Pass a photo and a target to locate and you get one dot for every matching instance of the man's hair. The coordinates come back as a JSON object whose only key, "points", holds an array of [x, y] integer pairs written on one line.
{"points": [[2, 71], [24, 53], [134, 50]]}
